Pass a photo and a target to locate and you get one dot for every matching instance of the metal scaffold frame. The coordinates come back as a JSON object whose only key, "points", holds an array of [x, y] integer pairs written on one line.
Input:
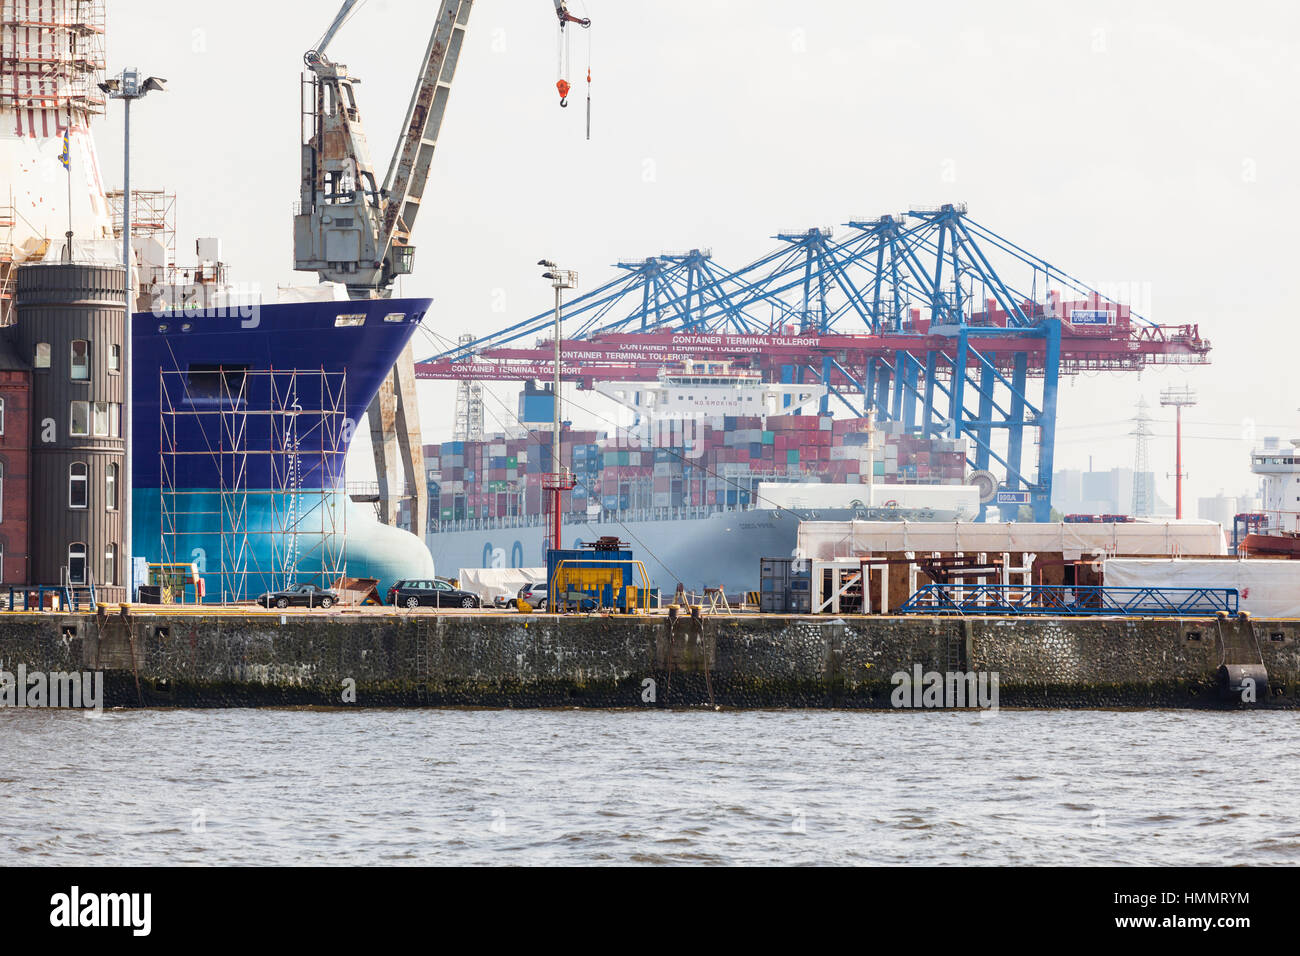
{"points": [[208, 436], [52, 55], [8, 268], [153, 216]]}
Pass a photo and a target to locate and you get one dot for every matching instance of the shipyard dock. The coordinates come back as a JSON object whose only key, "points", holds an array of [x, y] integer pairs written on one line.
{"points": [[378, 657]]}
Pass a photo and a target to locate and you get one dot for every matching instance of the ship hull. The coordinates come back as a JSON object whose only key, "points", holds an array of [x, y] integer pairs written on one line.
{"points": [[242, 423], [722, 549]]}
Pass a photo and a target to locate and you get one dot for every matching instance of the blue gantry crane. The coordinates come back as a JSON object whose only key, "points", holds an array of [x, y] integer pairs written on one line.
{"points": [[925, 318]]}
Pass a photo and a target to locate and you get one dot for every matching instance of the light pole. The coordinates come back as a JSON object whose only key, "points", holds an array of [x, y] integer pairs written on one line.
{"points": [[127, 86], [561, 279], [1179, 398]]}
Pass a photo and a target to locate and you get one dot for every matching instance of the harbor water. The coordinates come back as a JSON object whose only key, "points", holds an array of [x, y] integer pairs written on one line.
{"points": [[615, 787]]}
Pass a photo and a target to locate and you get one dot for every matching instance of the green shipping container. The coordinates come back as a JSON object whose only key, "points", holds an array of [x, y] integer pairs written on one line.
{"points": [[769, 438], [879, 468], [792, 456]]}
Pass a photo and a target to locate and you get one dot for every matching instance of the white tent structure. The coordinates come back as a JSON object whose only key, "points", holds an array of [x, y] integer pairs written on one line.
{"points": [[1265, 588], [491, 583], [829, 540]]}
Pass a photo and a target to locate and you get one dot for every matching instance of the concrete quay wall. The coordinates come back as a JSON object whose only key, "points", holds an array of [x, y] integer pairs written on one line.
{"points": [[198, 659]]}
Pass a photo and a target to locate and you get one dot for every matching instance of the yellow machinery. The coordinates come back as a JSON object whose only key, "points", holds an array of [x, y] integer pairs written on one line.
{"points": [[576, 586], [177, 583]]}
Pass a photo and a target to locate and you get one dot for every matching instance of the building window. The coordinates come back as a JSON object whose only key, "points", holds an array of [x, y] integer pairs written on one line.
{"points": [[101, 419], [114, 420], [76, 563], [110, 564], [115, 359], [2, 416], [80, 426], [78, 485], [42, 359], [80, 359], [110, 488]]}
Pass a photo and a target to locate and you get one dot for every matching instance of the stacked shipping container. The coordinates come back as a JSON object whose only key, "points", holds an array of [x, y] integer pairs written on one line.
{"points": [[699, 464]]}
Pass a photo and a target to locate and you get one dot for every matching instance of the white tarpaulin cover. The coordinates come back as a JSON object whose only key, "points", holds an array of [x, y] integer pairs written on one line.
{"points": [[828, 540], [491, 583], [1267, 588]]}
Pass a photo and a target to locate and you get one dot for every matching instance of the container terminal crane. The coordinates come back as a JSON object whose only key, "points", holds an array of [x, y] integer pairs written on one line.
{"points": [[926, 320]]}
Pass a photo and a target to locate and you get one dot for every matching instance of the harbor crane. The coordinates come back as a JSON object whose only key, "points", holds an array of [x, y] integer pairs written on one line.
{"points": [[352, 229]]}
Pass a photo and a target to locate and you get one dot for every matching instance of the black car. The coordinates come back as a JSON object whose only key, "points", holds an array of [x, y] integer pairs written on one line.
{"points": [[431, 592], [299, 595]]}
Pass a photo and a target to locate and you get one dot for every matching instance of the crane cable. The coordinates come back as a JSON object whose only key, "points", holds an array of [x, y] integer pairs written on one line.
{"points": [[584, 11], [564, 58]]}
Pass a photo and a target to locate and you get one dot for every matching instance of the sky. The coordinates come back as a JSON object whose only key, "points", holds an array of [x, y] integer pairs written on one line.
{"points": [[1146, 144]]}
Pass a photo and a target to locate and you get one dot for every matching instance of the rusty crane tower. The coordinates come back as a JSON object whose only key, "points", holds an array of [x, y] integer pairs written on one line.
{"points": [[352, 229]]}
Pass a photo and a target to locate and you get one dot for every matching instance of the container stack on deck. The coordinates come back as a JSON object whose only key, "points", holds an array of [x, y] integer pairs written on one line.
{"points": [[707, 464]]}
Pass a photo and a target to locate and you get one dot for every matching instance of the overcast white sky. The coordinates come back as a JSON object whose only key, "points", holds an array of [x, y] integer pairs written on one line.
{"points": [[1124, 142]]}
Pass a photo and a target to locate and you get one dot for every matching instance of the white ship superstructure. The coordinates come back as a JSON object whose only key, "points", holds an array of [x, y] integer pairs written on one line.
{"points": [[1278, 466], [701, 389]]}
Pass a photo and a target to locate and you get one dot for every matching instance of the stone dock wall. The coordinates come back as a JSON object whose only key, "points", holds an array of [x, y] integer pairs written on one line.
{"points": [[517, 660]]}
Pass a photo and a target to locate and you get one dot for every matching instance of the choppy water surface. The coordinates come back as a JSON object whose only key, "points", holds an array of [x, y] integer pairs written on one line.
{"points": [[535, 787]]}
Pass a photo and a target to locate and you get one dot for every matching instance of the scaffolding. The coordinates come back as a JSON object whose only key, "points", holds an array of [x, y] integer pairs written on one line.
{"points": [[52, 55], [469, 406], [153, 216], [8, 264], [256, 462]]}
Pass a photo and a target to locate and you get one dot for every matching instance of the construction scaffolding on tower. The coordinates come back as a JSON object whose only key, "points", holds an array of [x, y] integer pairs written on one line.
{"points": [[924, 318], [153, 216], [52, 55]]}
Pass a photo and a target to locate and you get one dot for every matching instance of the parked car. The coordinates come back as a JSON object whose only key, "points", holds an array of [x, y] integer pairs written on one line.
{"points": [[431, 593], [534, 595], [299, 595]]}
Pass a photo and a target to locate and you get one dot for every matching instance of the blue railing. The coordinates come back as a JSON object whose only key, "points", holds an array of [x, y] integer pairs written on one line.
{"points": [[32, 598], [1065, 601]]}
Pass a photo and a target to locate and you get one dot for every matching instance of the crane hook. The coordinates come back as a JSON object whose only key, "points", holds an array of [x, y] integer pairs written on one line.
{"points": [[563, 87]]}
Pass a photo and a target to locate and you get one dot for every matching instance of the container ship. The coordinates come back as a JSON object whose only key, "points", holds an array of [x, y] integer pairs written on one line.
{"points": [[698, 493]]}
